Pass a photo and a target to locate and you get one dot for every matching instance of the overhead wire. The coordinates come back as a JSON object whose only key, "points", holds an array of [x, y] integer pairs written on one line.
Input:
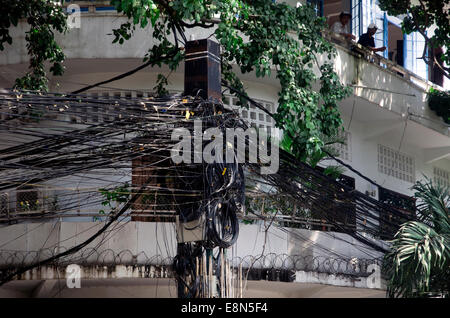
{"points": [[220, 193]]}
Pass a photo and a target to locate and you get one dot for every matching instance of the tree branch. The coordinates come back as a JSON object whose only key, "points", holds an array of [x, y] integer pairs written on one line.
{"points": [[428, 43]]}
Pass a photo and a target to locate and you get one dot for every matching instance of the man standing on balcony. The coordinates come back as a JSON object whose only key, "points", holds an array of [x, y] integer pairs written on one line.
{"points": [[368, 41], [341, 26]]}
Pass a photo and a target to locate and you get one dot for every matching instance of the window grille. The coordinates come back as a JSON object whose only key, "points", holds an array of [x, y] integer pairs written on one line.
{"points": [[109, 113], [396, 164], [27, 200], [441, 176], [253, 115]]}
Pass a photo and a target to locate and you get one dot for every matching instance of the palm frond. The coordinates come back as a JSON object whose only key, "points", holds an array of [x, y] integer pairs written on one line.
{"points": [[433, 204], [419, 259]]}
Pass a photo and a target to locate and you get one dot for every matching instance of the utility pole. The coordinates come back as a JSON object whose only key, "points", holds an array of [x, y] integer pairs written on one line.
{"points": [[202, 69], [202, 78]]}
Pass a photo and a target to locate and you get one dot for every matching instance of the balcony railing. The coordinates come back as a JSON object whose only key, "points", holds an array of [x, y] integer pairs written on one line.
{"points": [[43, 203], [46, 203], [385, 64], [91, 6]]}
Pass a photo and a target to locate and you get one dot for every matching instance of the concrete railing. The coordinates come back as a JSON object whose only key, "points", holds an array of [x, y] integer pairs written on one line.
{"points": [[385, 64], [376, 79], [92, 6], [384, 83]]}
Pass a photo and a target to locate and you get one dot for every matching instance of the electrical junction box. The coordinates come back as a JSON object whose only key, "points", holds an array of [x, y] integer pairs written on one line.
{"points": [[192, 231]]}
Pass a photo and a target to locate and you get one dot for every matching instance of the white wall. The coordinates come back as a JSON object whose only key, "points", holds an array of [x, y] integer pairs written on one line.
{"points": [[149, 239], [379, 105]]}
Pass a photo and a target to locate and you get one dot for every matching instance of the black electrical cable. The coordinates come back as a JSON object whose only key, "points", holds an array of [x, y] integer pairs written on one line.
{"points": [[219, 187]]}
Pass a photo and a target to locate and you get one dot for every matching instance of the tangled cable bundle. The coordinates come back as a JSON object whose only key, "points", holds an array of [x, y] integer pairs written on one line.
{"points": [[132, 129], [226, 193], [185, 269], [223, 189], [49, 137]]}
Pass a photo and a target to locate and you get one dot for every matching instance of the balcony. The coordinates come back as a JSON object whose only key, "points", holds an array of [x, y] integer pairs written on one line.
{"points": [[91, 55], [381, 82]]}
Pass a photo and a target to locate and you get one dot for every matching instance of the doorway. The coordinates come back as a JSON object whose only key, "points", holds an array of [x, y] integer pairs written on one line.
{"points": [[395, 44]]}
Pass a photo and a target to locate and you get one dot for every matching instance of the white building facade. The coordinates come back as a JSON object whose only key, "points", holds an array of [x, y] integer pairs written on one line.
{"points": [[392, 137]]}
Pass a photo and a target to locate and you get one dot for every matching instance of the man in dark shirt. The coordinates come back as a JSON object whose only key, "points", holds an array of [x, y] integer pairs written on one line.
{"points": [[368, 41]]}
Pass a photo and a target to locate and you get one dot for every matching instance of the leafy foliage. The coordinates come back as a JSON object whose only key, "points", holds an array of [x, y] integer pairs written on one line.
{"points": [[419, 262], [323, 154], [439, 102], [114, 197], [259, 36], [421, 15], [278, 203], [43, 17]]}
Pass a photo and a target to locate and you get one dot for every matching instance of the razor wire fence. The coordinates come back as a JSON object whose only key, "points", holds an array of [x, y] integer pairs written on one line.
{"points": [[261, 265]]}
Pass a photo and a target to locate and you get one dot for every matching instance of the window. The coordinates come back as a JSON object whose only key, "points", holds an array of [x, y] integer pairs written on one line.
{"points": [[168, 192], [156, 204], [355, 11], [403, 209], [339, 209], [413, 49], [441, 176], [396, 164], [365, 12], [253, 115]]}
